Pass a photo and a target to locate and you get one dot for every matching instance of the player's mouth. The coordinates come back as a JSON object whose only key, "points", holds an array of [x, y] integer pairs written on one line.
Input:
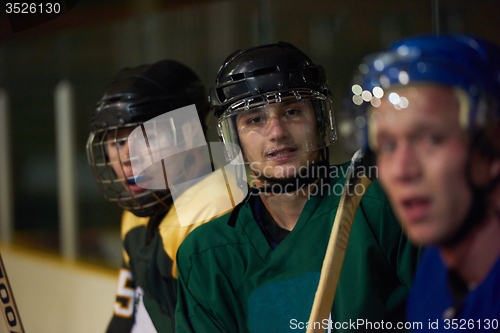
{"points": [[281, 154], [131, 184], [415, 209]]}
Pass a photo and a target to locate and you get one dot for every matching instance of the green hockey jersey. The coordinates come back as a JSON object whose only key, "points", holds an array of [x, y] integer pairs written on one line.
{"points": [[231, 280]]}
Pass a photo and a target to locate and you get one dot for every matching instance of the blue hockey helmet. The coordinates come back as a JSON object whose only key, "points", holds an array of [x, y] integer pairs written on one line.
{"points": [[469, 63]]}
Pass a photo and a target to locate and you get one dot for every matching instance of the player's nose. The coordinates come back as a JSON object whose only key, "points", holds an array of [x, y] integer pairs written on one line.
{"points": [[276, 128], [406, 165]]}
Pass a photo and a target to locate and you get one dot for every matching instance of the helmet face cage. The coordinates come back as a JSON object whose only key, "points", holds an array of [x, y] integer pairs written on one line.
{"points": [[318, 127], [115, 186], [133, 98], [455, 61]]}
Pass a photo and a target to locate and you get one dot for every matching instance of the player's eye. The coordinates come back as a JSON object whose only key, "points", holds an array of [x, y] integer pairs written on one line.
{"points": [[255, 120], [121, 142], [429, 138], [293, 112], [434, 139], [386, 146]]}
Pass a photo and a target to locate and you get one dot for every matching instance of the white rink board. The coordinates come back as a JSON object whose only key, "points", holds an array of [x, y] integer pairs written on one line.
{"points": [[57, 296]]}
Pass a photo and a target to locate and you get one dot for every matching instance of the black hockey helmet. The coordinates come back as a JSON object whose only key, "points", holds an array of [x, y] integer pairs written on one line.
{"points": [[134, 96], [138, 94], [266, 74]]}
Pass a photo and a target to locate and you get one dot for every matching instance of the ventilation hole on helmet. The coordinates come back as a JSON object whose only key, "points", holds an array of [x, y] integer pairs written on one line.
{"points": [[298, 64], [238, 76], [113, 99], [220, 95], [264, 71]]}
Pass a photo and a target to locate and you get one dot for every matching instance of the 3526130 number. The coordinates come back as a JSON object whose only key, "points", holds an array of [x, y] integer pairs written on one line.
{"points": [[471, 324], [32, 8]]}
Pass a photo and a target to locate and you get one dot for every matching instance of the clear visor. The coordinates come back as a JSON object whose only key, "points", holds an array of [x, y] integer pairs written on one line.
{"points": [[277, 124]]}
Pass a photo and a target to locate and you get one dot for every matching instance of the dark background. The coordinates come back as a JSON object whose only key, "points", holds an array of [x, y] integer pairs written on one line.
{"points": [[93, 40]]}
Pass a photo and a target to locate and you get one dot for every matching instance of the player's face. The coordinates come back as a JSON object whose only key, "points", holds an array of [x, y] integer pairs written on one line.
{"points": [[421, 154], [275, 139], [119, 157]]}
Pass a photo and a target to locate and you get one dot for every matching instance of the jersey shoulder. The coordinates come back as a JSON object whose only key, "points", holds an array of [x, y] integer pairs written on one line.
{"points": [[216, 234], [206, 201], [131, 221], [206, 198]]}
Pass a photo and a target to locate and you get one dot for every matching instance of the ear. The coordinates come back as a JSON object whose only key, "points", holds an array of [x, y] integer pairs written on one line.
{"points": [[495, 168], [483, 169]]}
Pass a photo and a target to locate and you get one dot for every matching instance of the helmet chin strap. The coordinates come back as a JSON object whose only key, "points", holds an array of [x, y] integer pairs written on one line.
{"points": [[163, 200], [294, 184]]}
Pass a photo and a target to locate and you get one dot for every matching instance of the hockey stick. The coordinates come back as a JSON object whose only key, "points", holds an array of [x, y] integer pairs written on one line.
{"points": [[358, 180], [7, 303]]}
